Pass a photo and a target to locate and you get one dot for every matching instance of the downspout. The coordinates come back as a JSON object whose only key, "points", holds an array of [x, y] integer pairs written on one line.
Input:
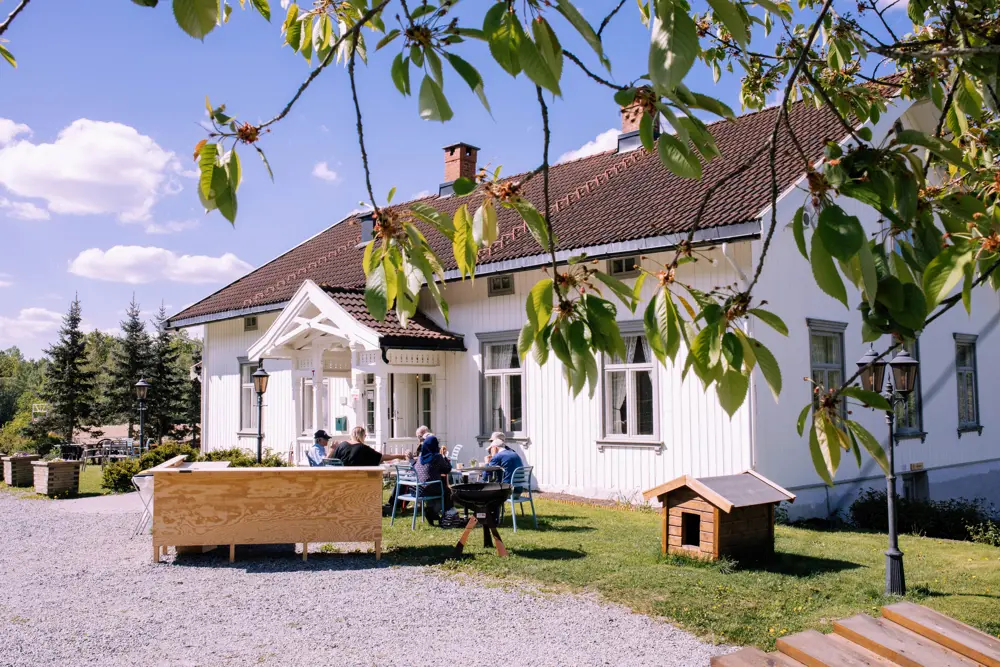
{"points": [[727, 252]]}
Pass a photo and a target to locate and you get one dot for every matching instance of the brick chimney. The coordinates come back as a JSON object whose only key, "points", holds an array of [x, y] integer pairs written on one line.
{"points": [[459, 162], [629, 139]]}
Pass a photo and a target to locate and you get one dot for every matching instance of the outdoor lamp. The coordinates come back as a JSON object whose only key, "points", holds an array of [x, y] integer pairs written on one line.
{"points": [[904, 372], [260, 377], [872, 371], [141, 389]]}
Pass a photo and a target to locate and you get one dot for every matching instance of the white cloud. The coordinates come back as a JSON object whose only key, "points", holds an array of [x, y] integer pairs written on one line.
{"points": [[605, 141], [421, 194], [322, 171], [28, 325], [171, 227], [23, 210], [145, 264], [93, 167], [9, 130], [5, 283]]}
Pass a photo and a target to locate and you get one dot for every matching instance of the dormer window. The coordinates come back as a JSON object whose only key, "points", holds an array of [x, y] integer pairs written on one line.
{"points": [[624, 267], [367, 227], [250, 323], [501, 285]]}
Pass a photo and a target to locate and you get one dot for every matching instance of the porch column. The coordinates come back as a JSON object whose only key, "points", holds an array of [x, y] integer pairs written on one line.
{"points": [[357, 412], [382, 407], [317, 364], [439, 410]]}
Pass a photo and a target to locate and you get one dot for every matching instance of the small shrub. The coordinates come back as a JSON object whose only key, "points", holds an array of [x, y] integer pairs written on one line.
{"points": [[947, 519], [241, 458], [165, 452], [117, 476], [987, 532]]}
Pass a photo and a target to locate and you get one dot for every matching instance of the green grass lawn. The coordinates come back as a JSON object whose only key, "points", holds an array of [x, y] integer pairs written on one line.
{"points": [[815, 578]]}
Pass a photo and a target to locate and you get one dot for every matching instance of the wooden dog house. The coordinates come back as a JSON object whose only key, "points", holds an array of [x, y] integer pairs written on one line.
{"points": [[709, 517]]}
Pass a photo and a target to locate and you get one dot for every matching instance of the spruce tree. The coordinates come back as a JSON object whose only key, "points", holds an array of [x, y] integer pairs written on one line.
{"points": [[131, 363], [69, 384], [168, 377]]}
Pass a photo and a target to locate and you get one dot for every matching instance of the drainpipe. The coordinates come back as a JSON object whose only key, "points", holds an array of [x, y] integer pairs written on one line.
{"points": [[727, 252]]}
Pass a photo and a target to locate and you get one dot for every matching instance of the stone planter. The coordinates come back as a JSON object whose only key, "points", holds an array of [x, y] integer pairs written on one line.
{"points": [[17, 470], [55, 478]]}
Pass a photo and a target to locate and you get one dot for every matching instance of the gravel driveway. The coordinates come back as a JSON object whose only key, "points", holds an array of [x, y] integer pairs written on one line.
{"points": [[74, 590]]}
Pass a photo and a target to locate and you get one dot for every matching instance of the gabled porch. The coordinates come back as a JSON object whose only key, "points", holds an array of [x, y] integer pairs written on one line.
{"points": [[349, 369]]}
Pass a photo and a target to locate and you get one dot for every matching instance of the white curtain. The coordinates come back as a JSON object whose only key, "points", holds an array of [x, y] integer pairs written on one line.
{"points": [[618, 394], [499, 356], [493, 399]]}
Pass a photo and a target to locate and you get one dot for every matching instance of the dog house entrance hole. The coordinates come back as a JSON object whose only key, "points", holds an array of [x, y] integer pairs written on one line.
{"points": [[690, 529]]}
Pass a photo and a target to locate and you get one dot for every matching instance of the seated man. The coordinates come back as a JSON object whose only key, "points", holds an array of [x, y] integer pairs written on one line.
{"points": [[319, 448], [503, 456], [355, 452]]}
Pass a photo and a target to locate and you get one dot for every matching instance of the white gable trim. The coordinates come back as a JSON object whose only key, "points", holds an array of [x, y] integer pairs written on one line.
{"points": [[291, 326]]}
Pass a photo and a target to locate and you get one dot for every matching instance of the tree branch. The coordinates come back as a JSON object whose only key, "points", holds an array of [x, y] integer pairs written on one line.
{"points": [[903, 50], [572, 58], [10, 17], [361, 129], [826, 98], [353, 32], [545, 190], [607, 19]]}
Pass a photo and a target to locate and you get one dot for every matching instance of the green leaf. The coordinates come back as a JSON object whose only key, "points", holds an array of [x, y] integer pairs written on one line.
{"points": [[800, 423], [463, 186], [196, 17], [943, 273], [463, 245], [572, 14], [869, 442], [674, 47], [389, 37], [433, 104], [625, 96], [828, 436], [943, 149], [8, 56], [819, 462], [732, 391], [266, 163], [825, 271], [223, 194], [232, 164], [536, 67], [376, 292], [435, 218], [731, 17], [676, 157], [770, 319], [842, 234], [560, 345], [732, 351], [870, 399], [471, 76], [646, 132], [539, 304], [401, 73], [525, 339], [713, 105], [503, 33], [434, 63], [484, 224], [654, 334], [206, 164], [536, 223], [293, 28], [768, 367], [621, 290], [263, 8], [548, 46], [798, 230], [869, 275]]}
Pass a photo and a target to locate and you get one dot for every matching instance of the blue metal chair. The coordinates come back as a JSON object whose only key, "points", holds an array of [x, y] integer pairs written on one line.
{"points": [[520, 493], [406, 478], [333, 462]]}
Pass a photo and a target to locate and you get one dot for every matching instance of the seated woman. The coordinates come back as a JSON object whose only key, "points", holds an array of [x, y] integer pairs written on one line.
{"points": [[430, 466], [355, 452]]}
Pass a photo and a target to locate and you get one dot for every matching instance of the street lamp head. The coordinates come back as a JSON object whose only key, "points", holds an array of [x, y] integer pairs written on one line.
{"points": [[872, 371], [260, 377], [904, 372], [141, 389]]}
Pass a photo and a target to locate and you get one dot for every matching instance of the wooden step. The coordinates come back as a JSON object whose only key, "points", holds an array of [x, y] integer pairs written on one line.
{"points": [[946, 631], [815, 649], [898, 644], [753, 657]]}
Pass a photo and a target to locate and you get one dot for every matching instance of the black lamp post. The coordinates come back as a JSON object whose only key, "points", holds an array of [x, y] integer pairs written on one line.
{"points": [[260, 377], [904, 378], [141, 390]]}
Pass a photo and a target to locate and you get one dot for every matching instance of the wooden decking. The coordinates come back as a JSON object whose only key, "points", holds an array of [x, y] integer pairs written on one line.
{"points": [[907, 634]]}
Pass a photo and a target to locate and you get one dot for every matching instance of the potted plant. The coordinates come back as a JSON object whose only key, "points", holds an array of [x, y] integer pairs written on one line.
{"points": [[57, 477], [17, 469]]}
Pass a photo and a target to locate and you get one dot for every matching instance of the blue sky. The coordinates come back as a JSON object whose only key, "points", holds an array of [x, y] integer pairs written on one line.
{"points": [[98, 123]]}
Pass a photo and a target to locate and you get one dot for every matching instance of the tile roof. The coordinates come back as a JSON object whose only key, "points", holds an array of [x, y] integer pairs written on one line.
{"points": [[605, 198], [419, 330]]}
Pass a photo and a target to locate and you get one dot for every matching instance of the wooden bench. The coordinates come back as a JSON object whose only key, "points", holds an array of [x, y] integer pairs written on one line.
{"points": [[233, 506]]}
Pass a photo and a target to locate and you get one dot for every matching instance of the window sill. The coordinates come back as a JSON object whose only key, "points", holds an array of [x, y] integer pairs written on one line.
{"points": [[970, 428], [246, 434], [911, 435], [618, 443]]}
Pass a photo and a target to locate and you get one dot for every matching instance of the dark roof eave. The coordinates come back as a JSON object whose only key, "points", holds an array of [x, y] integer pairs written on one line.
{"points": [[456, 344]]}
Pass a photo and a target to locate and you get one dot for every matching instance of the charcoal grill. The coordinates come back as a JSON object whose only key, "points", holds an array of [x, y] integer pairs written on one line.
{"points": [[484, 500]]}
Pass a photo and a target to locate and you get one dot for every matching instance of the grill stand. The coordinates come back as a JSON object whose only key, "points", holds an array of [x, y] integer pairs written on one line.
{"points": [[490, 535]]}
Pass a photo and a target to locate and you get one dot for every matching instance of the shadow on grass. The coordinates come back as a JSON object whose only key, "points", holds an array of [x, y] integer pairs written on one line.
{"points": [[922, 591], [796, 565], [549, 553], [270, 558]]}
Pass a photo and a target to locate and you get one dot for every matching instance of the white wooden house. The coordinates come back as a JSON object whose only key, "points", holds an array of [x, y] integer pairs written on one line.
{"points": [[332, 366]]}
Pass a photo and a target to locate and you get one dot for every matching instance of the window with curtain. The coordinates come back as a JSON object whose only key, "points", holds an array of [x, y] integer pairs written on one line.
{"points": [[248, 404], [968, 390], [909, 413], [629, 397], [826, 357], [369, 398], [504, 385], [425, 398], [305, 405]]}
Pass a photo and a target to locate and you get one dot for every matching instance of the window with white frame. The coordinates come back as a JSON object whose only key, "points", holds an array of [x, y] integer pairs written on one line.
{"points": [[968, 386], [425, 399], [623, 267], [248, 406], [909, 412], [504, 388], [305, 405], [826, 353], [630, 392], [369, 398], [250, 323]]}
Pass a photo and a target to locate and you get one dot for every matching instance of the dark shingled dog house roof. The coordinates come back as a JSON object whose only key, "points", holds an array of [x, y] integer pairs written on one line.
{"points": [[728, 491]]}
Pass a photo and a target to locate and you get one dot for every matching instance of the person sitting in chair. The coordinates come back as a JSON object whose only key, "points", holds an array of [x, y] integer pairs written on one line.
{"points": [[432, 467], [355, 452], [319, 449], [502, 455]]}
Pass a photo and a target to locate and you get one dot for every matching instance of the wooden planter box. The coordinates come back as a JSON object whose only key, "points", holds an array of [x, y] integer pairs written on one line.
{"points": [[54, 478], [17, 470]]}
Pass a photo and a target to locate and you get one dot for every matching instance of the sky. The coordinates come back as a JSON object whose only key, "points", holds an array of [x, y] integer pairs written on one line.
{"points": [[99, 121]]}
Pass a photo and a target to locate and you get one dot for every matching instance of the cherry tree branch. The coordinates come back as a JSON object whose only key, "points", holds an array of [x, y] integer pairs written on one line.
{"points": [[13, 15], [607, 19], [604, 82], [546, 133], [361, 129]]}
